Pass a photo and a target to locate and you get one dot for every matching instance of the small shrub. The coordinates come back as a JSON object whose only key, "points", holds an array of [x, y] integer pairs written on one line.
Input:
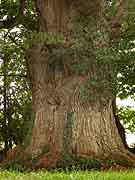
{"points": [[86, 164], [80, 163], [16, 164]]}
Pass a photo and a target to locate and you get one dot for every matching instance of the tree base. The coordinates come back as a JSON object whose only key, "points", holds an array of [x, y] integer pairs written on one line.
{"points": [[17, 158]]}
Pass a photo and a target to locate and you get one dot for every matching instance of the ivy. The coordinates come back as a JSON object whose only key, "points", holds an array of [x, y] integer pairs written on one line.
{"points": [[43, 37], [69, 119]]}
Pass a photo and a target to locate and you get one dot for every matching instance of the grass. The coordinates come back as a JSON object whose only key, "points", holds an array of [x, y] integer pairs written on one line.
{"points": [[73, 175]]}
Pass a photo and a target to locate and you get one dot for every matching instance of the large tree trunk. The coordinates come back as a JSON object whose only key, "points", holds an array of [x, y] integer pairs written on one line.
{"points": [[65, 123], [68, 123]]}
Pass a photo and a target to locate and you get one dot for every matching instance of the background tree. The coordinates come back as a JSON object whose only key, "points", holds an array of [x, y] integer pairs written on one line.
{"points": [[15, 95], [16, 18]]}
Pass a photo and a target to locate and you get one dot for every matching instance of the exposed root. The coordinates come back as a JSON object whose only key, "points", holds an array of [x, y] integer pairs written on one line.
{"points": [[47, 161], [20, 157], [119, 160]]}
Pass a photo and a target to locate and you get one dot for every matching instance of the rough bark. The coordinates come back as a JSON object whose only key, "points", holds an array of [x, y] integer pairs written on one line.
{"points": [[65, 125], [120, 127]]}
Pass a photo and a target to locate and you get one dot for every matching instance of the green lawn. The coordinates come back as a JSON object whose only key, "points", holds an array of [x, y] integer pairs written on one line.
{"points": [[74, 175]]}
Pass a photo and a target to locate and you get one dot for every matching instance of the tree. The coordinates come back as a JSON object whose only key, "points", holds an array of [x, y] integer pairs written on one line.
{"points": [[15, 95], [72, 66]]}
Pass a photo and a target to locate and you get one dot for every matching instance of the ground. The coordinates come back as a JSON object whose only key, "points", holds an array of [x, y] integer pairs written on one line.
{"points": [[67, 175]]}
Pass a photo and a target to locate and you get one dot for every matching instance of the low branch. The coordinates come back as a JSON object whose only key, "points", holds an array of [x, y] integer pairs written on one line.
{"points": [[14, 41], [8, 23], [14, 75]]}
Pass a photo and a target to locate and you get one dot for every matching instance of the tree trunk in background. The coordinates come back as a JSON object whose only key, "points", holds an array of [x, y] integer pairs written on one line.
{"points": [[66, 125]]}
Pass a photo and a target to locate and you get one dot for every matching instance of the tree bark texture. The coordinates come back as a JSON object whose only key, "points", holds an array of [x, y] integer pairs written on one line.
{"points": [[64, 123]]}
